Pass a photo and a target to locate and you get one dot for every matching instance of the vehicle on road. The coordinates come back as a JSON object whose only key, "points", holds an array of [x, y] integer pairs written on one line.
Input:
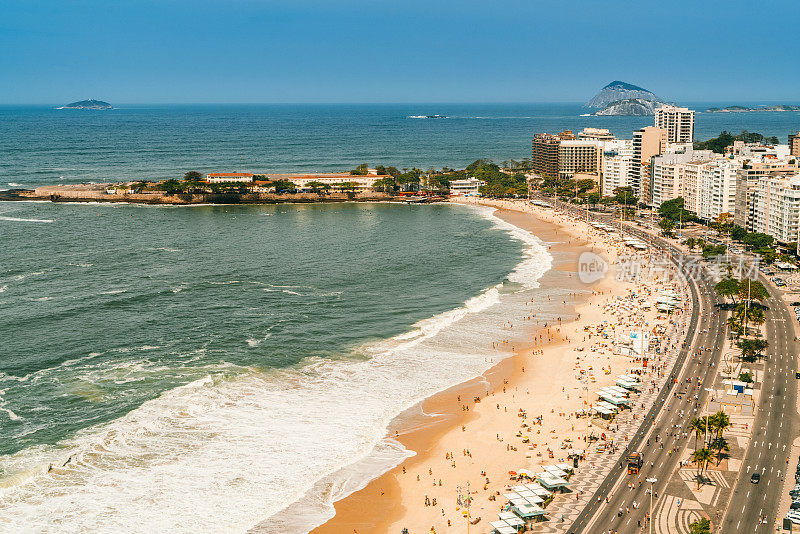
{"points": [[634, 462], [755, 478]]}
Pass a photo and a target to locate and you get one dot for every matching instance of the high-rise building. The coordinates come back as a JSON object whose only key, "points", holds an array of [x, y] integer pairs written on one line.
{"points": [[647, 142], [777, 207], [747, 177], [580, 156], [667, 172], [794, 144], [544, 155], [717, 193], [616, 166], [679, 123]]}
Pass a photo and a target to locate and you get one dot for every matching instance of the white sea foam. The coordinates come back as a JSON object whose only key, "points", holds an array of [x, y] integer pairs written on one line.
{"points": [[230, 450], [20, 219]]}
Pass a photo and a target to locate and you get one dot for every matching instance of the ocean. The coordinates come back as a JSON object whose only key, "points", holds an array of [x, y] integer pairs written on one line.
{"points": [[204, 368], [162, 366], [43, 145]]}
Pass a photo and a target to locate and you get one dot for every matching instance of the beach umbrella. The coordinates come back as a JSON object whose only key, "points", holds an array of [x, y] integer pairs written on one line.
{"points": [[512, 473]]}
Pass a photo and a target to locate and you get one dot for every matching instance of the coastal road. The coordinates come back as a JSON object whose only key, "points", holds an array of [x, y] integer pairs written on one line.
{"points": [[774, 429], [660, 435]]}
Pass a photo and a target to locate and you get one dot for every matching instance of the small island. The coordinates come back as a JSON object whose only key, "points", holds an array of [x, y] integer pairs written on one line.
{"points": [[88, 104], [745, 109]]}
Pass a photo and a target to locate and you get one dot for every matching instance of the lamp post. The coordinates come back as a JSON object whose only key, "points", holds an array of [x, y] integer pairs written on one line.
{"points": [[708, 415], [651, 481]]}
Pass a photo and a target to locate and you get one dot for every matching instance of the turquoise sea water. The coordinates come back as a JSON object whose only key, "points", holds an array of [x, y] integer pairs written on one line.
{"points": [[172, 354], [201, 368], [43, 145]]}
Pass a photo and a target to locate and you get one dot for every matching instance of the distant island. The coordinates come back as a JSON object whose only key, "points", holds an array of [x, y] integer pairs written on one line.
{"points": [[88, 104], [633, 107], [622, 98], [745, 109]]}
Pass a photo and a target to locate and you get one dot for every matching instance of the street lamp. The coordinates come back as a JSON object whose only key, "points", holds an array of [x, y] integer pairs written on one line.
{"points": [[651, 481], [708, 401]]}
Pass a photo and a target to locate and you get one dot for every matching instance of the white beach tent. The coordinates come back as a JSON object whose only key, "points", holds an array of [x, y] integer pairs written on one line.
{"points": [[538, 489], [501, 527], [511, 519], [528, 510]]}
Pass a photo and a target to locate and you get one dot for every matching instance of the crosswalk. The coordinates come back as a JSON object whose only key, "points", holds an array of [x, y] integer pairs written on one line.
{"points": [[674, 515]]}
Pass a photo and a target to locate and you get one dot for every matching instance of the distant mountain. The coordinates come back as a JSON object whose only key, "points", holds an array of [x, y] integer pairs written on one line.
{"points": [[88, 104], [637, 107], [618, 90], [745, 109]]}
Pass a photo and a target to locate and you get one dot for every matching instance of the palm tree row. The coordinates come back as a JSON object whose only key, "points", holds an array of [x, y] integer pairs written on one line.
{"points": [[714, 443]]}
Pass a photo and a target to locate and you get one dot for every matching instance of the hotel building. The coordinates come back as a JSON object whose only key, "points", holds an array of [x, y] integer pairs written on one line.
{"points": [[647, 143], [679, 123], [777, 207]]}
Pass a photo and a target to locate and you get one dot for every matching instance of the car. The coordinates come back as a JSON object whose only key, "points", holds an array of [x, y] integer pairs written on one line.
{"points": [[755, 478], [795, 303]]}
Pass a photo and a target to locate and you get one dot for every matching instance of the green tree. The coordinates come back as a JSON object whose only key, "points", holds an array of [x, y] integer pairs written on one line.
{"points": [[750, 290], [385, 185], [347, 186], [282, 186], [361, 170], [192, 176], [698, 426], [752, 348], [701, 526], [317, 187], [701, 457], [719, 422], [738, 233], [673, 210], [728, 288], [758, 240], [667, 226], [172, 187]]}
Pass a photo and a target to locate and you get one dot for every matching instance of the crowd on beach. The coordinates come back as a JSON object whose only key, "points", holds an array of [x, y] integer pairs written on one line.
{"points": [[567, 360]]}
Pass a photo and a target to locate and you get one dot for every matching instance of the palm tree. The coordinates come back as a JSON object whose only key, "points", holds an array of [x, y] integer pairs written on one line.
{"points": [[735, 326], [719, 422], [701, 457], [756, 316], [721, 446], [697, 425]]}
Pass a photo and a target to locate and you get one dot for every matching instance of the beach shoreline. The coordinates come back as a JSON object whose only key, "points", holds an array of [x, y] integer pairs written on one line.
{"points": [[383, 504]]}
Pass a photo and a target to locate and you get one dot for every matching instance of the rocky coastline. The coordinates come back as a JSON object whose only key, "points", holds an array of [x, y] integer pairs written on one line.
{"points": [[100, 193]]}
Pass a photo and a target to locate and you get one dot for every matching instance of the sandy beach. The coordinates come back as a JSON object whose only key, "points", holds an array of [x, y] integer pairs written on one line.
{"points": [[477, 442]]}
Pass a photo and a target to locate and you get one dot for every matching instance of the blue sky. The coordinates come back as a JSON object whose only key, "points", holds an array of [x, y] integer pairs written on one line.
{"points": [[394, 51]]}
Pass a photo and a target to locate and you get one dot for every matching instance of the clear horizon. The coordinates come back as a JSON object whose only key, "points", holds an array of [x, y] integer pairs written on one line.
{"points": [[355, 51]]}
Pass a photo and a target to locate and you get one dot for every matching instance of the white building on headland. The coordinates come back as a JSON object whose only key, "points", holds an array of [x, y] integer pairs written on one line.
{"points": [[679, 123], [466, 187], [218, 177], [777, 207]]}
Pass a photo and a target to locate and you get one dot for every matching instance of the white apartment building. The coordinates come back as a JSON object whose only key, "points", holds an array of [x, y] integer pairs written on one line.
{"points": [[679, 123], [717, 192], [667, 172], [616, 167], [777, 207], [466, 187], [747, 177]]}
